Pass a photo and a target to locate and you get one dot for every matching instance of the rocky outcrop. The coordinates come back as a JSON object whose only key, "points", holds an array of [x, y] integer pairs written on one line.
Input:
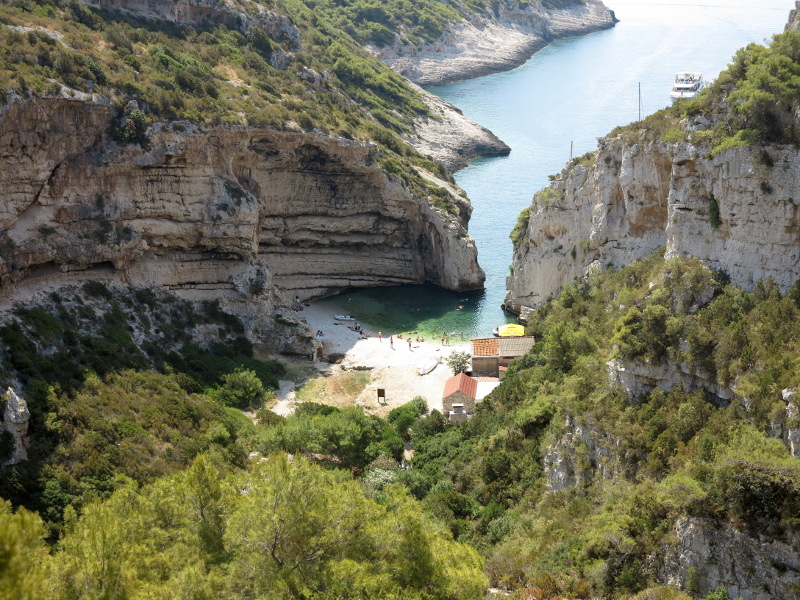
{"points": [[582, 453], [15, 423], [449, 137], [737, 211], [246, 216], [496, 41], [786, 424], [639, 378], [710, 554], [241, 15], [794, 18]]}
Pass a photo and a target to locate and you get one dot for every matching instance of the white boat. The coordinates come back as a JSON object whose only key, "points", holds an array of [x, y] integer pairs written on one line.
{"points": [[345, 318], [687, 85], [429, 366]]}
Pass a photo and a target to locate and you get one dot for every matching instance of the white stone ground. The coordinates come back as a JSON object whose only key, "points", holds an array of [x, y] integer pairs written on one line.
{"points": [[393, 366]]}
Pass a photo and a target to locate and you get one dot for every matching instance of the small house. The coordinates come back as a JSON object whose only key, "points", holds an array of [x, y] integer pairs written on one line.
{"points": [[458, 400]]}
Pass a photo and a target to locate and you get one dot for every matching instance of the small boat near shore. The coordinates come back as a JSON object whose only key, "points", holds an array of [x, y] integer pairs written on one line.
{"points": [[509, 330], [687, 85], [429, 366], [344, 318]]}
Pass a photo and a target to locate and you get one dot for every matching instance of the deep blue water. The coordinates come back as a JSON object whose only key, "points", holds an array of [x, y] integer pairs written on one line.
{"points": [[573, 91]]}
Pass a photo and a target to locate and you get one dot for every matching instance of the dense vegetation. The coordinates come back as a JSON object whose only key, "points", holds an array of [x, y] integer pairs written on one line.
{"points": [[142, 486], [139, 484], [281, 529], [382, 23], [671, 454], [93, 418]]}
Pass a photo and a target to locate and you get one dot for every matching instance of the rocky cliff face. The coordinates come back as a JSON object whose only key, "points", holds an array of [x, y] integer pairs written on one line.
{"points": [[733, 211], [493, 42], [750, 566], [15, 423], [794, 18], [582, 453], [246, 216]]}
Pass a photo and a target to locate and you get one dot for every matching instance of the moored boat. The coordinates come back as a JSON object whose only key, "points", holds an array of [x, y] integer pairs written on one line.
{"points": [[686, 86]]}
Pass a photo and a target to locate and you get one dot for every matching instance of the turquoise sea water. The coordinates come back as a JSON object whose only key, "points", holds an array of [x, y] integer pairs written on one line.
{"points": [[573, 91]]}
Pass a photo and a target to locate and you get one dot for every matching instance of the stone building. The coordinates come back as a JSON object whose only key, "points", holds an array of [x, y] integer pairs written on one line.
{"points": [[458, 400]]}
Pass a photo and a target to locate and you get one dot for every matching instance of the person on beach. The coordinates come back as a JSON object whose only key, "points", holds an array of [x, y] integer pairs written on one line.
{"points": [[409, 344], [391, 341], [380, 336]]}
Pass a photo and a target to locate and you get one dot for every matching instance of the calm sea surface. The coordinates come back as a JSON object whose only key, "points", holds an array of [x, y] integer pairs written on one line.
{"points": [[573, 91]]}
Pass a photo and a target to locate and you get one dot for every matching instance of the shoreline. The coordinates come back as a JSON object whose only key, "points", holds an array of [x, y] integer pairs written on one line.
{"points": [[392, 365], [485, 45]]}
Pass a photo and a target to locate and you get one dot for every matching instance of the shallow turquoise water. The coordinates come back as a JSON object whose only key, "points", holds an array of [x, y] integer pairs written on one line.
{"points": [[416, 310], [573, 91]]}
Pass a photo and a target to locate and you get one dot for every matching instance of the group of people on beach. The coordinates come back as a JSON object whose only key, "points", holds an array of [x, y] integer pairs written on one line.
{"points": [[399, 337]]}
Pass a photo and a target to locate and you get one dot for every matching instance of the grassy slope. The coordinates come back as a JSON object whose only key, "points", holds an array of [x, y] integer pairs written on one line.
{"points": [[215, 76]]}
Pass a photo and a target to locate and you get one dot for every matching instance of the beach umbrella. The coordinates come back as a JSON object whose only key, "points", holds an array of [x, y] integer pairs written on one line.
{"points": [[512, 329]]}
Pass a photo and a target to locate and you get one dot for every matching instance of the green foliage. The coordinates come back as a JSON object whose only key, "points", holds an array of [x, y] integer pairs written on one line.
{"points": [[282, 529], [24, 556], [138, 424], [218, 75], [675, 453], [753, 102], [459, 362], [403, 417], [713, 214], [241, 389], [521, 226], [348, 437]]}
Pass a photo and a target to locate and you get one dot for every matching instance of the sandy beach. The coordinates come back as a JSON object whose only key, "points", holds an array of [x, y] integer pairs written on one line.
{"points": [[388, 363]]}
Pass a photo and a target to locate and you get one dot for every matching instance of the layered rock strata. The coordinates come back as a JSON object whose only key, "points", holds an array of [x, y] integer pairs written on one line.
{"points": [[246, 216], [733, 211], [493, 42]]}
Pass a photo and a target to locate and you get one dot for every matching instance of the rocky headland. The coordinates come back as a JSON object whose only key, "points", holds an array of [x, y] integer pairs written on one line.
{"points": [[736, 211], [493, 42]]}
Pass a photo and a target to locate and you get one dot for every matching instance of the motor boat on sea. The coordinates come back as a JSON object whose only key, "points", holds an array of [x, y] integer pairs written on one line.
{"points": [[687, 85]]}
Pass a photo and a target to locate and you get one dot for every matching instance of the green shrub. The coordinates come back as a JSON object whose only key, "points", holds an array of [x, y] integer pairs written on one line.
{"points": [[241, 389]]}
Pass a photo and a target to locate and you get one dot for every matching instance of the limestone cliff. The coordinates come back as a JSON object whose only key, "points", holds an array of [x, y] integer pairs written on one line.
{"points": [[733, 211], [752, 566], [244, 215], [15, 424], [501, 39]]}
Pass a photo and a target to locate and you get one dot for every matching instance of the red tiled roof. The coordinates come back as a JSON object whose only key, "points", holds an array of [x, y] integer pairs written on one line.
{"points": [[485, 347], [461, 383]]}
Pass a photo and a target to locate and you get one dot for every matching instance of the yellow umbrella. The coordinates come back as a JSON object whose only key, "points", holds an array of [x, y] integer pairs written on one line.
{"points": [[510, 330]]}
